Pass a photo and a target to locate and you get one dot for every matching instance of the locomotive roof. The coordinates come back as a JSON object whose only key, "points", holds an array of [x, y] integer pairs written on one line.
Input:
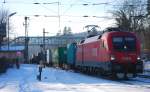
{"points": [[91, 39], [95, 38], [118, 32]]}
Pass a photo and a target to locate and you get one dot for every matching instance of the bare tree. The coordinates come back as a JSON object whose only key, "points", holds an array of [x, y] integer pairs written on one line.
{"points": [[148, 7], [148, 13], [3, 22], [130, 15], [67, 31], [147, 32], [122, 20]]}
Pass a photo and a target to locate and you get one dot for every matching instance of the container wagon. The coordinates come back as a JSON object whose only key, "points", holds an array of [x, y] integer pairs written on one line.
{"points": [[59, 56], [49, 57], [71, 55]]}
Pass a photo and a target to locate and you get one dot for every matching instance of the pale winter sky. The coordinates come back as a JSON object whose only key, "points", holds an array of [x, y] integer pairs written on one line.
{"points": [[71, 14]]}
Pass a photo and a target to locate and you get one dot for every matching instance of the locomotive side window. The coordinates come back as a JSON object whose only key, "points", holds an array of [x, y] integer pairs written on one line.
{"points": [[103, 44], [124, 43]]}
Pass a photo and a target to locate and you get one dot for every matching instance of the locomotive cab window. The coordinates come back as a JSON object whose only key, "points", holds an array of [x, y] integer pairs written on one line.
{"points": [[103, 44], [124, 43], [82, 41]]}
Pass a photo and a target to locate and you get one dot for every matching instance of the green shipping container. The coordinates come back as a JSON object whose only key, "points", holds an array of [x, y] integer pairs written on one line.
{"points": [[71, 53], [59, 56], [62, 55]]}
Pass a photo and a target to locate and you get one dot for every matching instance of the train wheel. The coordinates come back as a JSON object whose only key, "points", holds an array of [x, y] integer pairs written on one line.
{"points": [[113, 76], [89, 70], [131, 75], [76, 69], [121, 75]]}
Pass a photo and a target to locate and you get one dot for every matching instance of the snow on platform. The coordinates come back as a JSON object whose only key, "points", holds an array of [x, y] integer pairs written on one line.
{"points": [[146, 68], [57, 80]]}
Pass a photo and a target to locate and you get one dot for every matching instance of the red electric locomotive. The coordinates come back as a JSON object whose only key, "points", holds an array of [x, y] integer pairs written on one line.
{"points": [[115, 52]]}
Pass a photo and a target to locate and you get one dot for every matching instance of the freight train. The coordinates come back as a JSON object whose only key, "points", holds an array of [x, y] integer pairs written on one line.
{"points": [[114, 53]]}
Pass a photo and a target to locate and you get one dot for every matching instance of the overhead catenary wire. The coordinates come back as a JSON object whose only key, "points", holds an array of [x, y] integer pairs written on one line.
{"points": [[71, 5], [46, 7], [84, 3], [77, 4], [105, 4], [79, 16]]}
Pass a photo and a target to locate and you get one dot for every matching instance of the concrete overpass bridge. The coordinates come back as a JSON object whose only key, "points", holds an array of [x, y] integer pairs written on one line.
{"points": [[34, 43]]}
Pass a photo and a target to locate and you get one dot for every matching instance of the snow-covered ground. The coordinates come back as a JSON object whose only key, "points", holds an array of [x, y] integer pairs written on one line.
{"points": [[57, 80], [146, 67]]}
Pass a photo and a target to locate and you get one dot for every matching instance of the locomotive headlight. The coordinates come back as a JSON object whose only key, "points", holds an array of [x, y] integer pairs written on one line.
{"points": [[138, 58], [112, 57]]}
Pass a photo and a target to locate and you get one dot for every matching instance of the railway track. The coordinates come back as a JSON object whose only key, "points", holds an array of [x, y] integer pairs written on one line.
{"points": [[144, 76], [139, 82]]}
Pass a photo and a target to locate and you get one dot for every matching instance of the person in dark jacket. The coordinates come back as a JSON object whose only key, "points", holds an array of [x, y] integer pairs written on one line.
{"points": [[17, 63]]}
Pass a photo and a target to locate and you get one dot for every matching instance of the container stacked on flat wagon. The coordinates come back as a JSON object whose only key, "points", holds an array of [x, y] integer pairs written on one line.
{"points": [[59, 57], [49, 57], [114, 53], [54, 57], [62, 56], [71, 55]]}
